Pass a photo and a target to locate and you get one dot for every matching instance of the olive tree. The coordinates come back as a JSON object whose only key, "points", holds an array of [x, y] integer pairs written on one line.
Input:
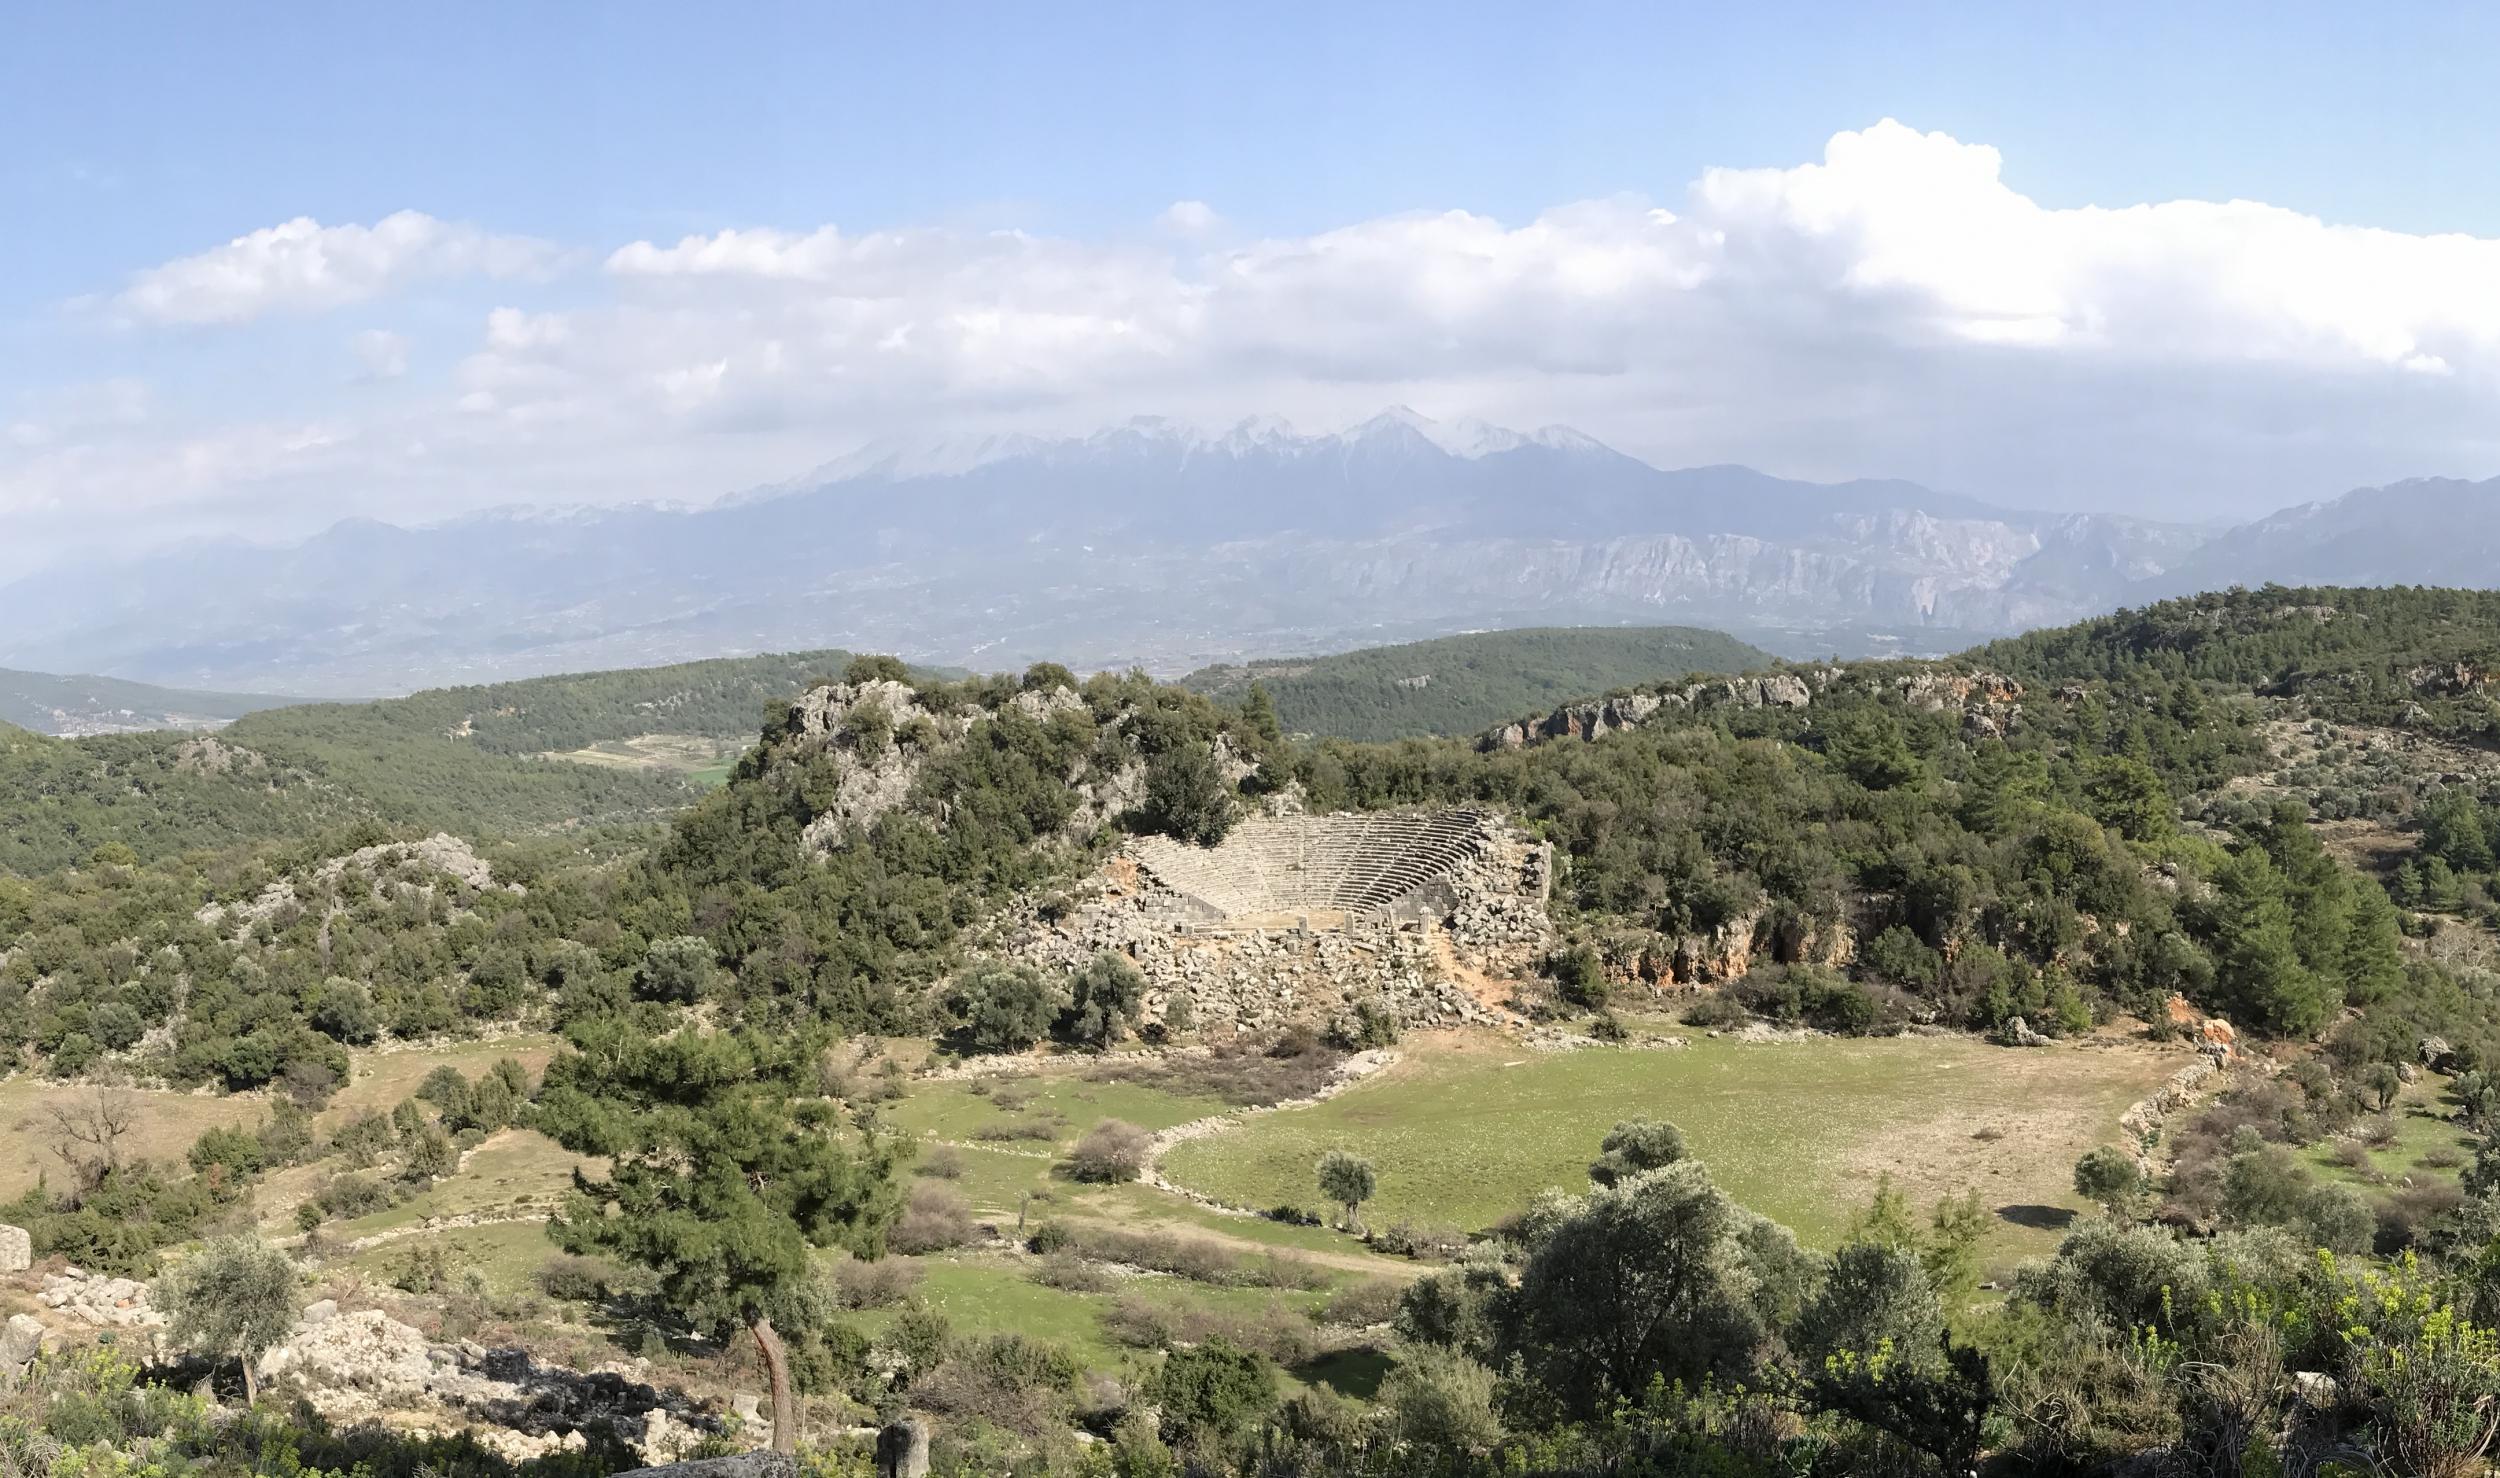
{"points": [[1348, 1181], [2109, 1177], [1647, 1280], [1635, 1145], [235, 1296]]}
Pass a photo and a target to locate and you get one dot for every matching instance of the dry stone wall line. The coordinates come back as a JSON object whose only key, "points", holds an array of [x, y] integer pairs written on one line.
{"points": [[1353, 1070]]}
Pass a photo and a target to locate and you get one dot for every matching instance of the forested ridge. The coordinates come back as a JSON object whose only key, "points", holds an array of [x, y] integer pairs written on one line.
{"points": [[1457, 685], [465, 760], [722, 698]]}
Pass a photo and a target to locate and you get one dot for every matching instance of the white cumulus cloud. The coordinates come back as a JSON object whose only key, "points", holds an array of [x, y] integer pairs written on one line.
{"points": [[1898, 306], [302, 265]]}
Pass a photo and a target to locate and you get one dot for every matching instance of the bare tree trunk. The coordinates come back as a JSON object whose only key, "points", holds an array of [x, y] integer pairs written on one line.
{"points": [[777, 1370], [251, 1384]]}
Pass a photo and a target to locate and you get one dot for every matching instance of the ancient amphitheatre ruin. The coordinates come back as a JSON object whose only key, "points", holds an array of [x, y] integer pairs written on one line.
{"points": [[1322, 872]]}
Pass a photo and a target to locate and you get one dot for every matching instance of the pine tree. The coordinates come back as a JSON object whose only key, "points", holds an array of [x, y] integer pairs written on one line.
{"points": [[727, 1168], [2257, 964]]}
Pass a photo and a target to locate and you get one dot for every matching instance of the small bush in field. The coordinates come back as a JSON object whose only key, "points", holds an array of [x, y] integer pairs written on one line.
{"points": [[1111, 1152]]}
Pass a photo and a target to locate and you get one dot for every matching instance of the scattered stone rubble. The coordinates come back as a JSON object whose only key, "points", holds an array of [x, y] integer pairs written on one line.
{"points": [[101, 1302], [360, 1366]]}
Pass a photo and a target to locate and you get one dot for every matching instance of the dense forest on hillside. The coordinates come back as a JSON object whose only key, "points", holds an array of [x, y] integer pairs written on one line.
{"points": [[463, 760], [1457, 685], [2399, 656]]}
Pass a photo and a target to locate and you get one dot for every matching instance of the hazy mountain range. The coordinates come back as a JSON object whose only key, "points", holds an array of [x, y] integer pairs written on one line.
{"points": [[1160, 544]]}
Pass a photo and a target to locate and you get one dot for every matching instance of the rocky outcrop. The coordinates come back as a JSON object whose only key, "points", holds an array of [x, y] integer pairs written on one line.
{"points": [[1595, 720], [1990, 702], [381, 872], [2450, 679], [883, 736], [360, 1366]]}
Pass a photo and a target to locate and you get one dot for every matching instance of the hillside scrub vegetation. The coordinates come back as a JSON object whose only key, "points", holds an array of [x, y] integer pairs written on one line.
{"points": [[2057, 829]]}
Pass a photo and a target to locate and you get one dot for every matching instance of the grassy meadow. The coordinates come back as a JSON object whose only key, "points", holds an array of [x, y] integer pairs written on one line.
{"points": [[1467, 1131]]}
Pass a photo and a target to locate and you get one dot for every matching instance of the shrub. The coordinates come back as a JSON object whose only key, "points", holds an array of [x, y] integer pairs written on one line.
{"points": [[1716, 1010], [942, 1163], [1112, 1152], [350, 1196], [876, 1285], [1439, 1243], [1071, 1274], [935, 1217], [574, 1279], [1009, 1380], [1050, 1237], [1362, 1304], [1369, 1025], [1216, 1389], [1440, 1401], [1109, 993], [1580, 976], [1003, 1007]]}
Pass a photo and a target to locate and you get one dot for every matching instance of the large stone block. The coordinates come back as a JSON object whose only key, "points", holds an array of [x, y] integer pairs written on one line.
{"points": [[17, 1250], [21, 1340]]}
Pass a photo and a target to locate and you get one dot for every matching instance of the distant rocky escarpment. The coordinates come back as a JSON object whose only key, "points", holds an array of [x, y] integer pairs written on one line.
{"points": [[1990, 702]]}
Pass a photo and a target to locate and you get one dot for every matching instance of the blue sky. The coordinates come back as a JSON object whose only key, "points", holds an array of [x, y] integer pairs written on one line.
{"points": [[137, 136]]}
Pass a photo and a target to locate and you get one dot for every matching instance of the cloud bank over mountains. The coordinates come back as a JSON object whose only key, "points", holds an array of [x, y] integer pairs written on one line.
{"points": [[1896, 308]]}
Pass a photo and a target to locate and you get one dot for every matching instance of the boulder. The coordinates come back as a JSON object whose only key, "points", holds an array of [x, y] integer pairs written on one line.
{"points": [[903, 1449], [320, 1311], [17, 1250], [21, 1340]]}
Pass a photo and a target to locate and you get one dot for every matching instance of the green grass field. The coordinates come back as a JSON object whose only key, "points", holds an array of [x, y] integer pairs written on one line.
{"points": [[1470, 1132], [2420, 1118], [955, 1111]]}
